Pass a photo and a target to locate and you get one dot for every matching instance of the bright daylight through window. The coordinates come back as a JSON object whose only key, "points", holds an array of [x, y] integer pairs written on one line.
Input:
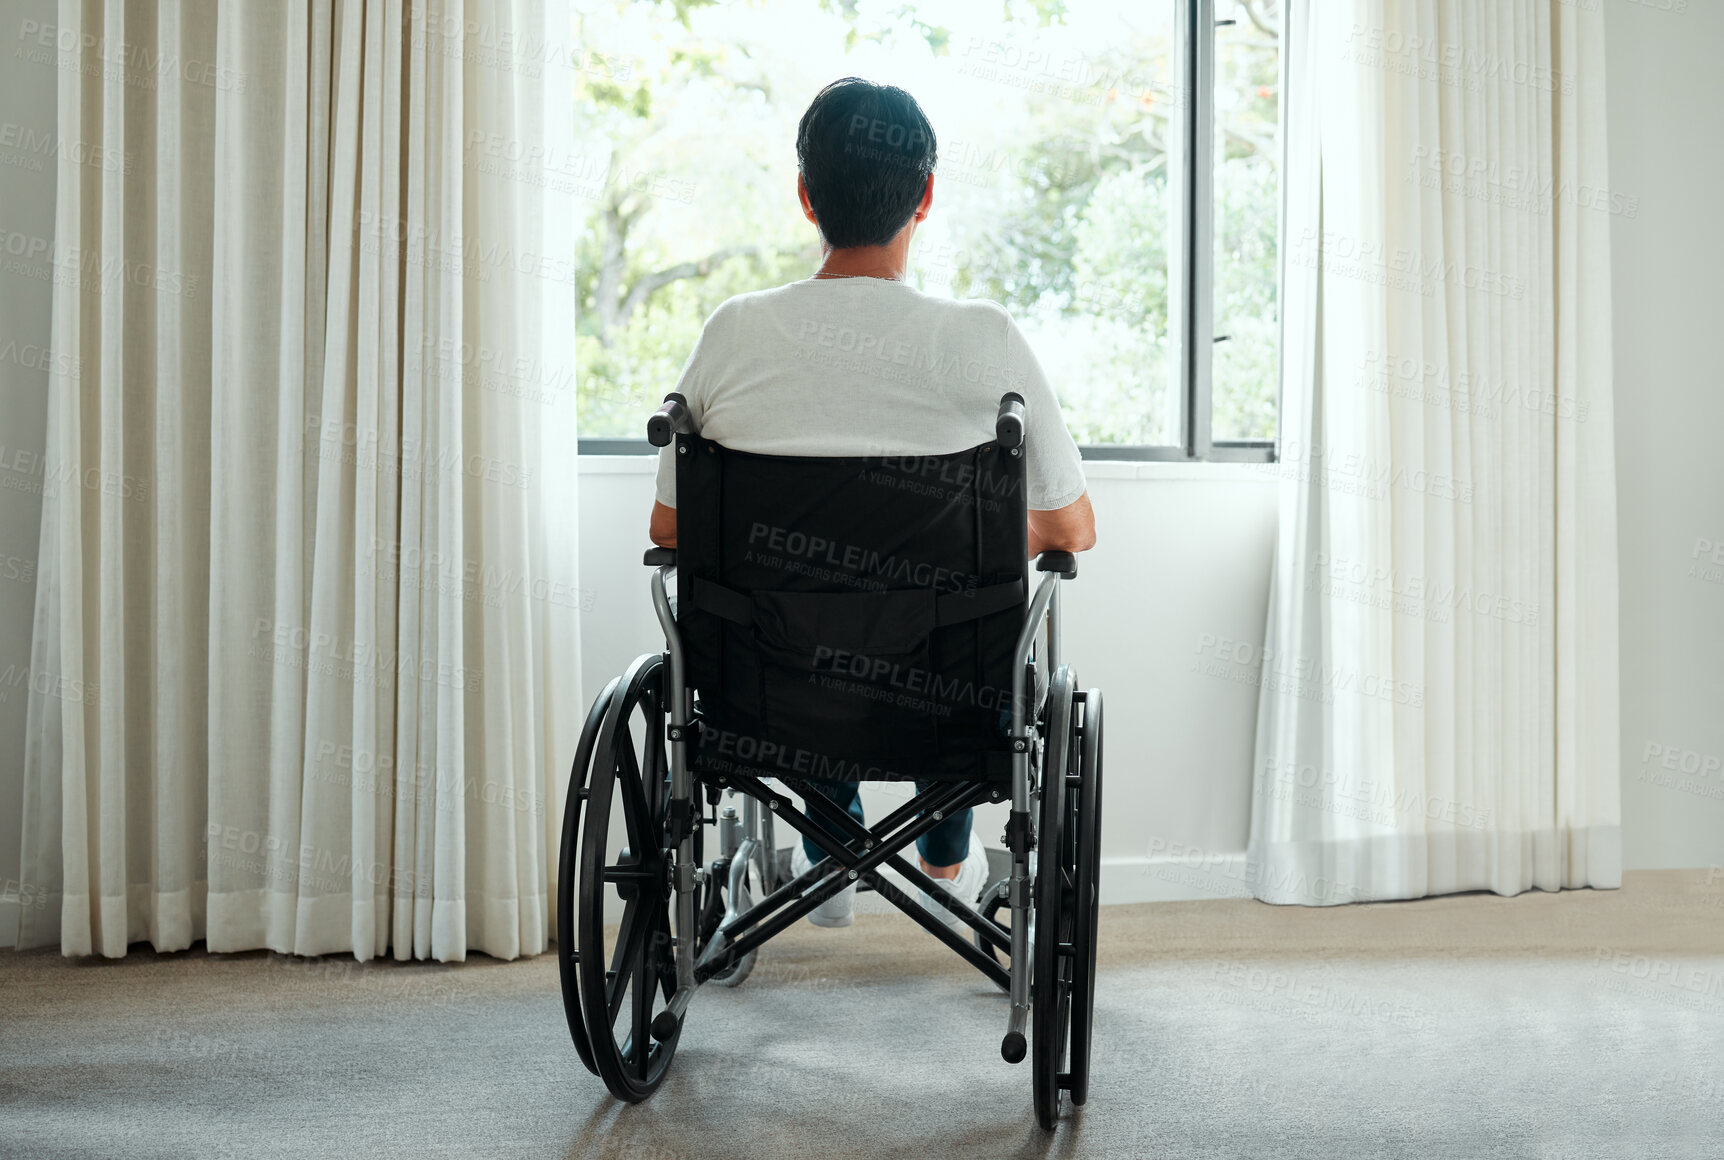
{"points": [[1068, 189]]}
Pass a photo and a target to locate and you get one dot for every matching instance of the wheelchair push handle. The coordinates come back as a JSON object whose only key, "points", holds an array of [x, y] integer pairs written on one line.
{"points": [[1009, 424], [669, 419]]}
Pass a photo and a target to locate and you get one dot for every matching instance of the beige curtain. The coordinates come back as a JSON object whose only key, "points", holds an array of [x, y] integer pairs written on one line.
{"points": [[323, 625], [1439, 691]]}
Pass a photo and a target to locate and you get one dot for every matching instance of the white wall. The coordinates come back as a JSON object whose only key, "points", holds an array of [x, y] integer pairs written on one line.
{"points": [[1667, 149], [27, 164]]}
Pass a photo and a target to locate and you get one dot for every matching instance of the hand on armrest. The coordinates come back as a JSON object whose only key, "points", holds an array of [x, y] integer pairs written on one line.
{"points": [[662, 529], [1067, 529]]}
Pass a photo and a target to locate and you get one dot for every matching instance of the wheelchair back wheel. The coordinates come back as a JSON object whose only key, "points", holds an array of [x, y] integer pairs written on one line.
{"points": [[567, 956], [624, 976], [1056, 906], [1088, 895]]}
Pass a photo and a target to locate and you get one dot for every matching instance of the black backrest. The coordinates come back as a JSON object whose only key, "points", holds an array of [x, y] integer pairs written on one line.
{"points": [[851, 618]]}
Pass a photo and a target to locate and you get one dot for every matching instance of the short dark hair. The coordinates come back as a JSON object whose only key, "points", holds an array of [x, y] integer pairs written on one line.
{"points": [[865, 152]]}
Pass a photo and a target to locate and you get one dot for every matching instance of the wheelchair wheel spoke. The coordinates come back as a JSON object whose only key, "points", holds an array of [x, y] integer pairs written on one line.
{"points": [[638, 816], [655, 766], [640, 1031], [632, 938]]}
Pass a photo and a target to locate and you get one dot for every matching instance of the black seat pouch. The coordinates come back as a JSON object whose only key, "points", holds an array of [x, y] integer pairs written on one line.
{"points": [[849, 670]]}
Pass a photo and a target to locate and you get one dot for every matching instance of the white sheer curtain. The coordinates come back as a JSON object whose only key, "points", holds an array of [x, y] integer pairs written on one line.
{"points": [[1439, 697], [322, 630]]}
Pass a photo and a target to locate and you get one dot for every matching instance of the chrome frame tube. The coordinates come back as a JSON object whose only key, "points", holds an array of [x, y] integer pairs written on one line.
{"points": [[763, 852], [1054, 630], [1042, 604], [1020, 655], [681, 789]]}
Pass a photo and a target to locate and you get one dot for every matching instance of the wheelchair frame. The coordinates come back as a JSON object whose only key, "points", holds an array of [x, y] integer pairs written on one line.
{"points": [[718, 928]]}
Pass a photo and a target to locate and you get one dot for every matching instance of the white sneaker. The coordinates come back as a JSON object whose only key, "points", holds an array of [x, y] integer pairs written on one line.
{"points": [[835, 911], [972, 877]]}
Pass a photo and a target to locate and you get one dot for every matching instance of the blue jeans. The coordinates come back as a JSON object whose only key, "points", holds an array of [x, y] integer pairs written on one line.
{"points": [[946, 844]]}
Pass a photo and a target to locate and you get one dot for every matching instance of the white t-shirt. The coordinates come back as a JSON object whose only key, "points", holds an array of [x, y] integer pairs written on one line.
{"points": [[868, 366]]}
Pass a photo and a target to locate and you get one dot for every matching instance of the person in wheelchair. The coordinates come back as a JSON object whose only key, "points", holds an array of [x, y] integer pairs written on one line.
{"points": [[854, 361], [866, 578]]}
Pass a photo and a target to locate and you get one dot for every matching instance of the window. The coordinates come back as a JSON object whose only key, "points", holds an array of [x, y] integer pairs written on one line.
{"points": [[1108, 171]]}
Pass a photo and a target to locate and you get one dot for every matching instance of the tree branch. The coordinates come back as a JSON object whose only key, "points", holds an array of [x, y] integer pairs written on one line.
{"points": [[1261, 19], [646, 284]]}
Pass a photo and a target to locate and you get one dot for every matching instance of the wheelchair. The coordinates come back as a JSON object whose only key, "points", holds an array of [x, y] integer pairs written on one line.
{"points": [[833, 619]]}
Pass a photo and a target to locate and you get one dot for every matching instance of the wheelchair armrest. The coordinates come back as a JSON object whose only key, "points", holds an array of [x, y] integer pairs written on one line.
{"points": [[659, 557], [1065, 563]]}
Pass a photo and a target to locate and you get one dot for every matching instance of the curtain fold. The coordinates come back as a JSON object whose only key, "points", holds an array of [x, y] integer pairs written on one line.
{"points": [[1439, 697], [330, 653]]}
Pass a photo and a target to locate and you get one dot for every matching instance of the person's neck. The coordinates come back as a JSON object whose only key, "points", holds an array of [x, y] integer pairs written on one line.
{"points": [[887, 262]]}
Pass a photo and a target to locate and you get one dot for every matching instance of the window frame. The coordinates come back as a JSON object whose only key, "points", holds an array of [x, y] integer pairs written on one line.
{"points": [[1194, 311]]}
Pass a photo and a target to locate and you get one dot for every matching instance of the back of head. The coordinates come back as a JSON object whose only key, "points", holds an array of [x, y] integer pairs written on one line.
{"points": [[865, 152]]}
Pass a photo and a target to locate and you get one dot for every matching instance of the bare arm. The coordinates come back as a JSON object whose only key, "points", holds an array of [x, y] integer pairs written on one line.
{"points": [[662, 530], [1067, 529]]}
